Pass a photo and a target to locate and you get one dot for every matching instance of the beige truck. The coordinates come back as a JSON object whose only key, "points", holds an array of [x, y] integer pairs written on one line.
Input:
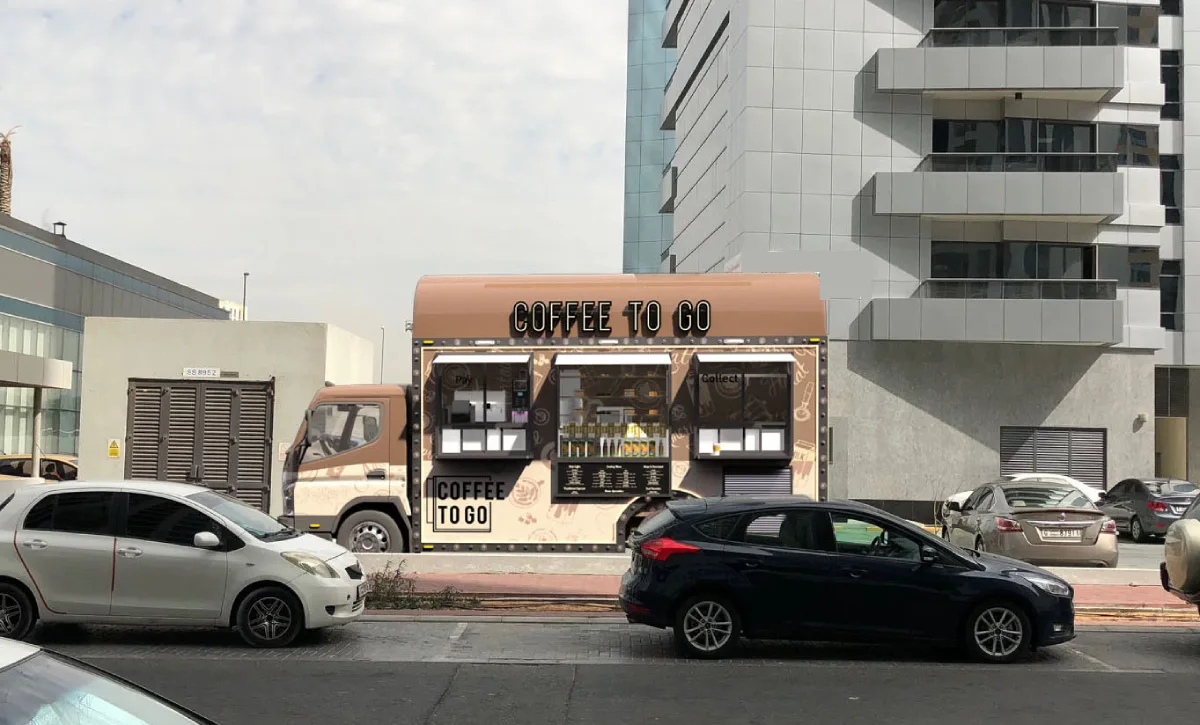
{"points": [[553, 413]]}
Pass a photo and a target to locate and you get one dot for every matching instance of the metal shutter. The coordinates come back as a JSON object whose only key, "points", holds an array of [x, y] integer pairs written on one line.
{"points": [[252, 446], [1081, 453], [216, 435], [180, 454], [142, 445], [1171, 392], [746, 481]]}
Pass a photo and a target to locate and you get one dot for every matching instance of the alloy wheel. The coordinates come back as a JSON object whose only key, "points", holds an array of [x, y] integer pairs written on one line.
{"points": [[10, 614], [1135, 530], [370, 538], [270, 618], [999, 632], [708, 626]]}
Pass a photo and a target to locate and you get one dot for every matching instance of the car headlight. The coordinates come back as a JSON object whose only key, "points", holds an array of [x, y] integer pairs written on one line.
{"points": [[310, 564], [1047, 584]]}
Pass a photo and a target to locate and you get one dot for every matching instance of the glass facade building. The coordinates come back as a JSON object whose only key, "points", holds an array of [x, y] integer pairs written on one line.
{"points": [[648, 149], [48, 285]]}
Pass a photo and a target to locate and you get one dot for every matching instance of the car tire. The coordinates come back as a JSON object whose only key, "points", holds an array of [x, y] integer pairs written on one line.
{"points": [[1137, 532], [371, 532], [270, 617], [989, 633], [707, 627], [18, 613]]}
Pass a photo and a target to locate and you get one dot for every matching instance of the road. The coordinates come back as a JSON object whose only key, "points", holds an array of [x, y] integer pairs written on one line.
{"points": [[591, 671]]}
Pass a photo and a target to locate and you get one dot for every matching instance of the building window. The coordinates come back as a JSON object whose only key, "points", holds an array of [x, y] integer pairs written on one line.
{"points": [[1172, 188], [1132, 145], [1012, 260], [745, 395], [1172, 7], [1171, 392], [1172, 78], [1170, 286], [1134, 267], [1136, 24]]}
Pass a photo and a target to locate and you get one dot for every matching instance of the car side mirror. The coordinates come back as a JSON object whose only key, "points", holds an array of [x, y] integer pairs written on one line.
{"points": [[206, 540], [929, 555], [954, 506]]}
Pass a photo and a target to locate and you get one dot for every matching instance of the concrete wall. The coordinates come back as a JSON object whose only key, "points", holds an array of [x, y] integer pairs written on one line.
{"points": [[922, 420], [299, 356]]}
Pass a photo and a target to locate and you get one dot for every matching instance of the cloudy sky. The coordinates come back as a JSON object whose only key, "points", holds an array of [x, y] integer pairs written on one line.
{"points": [[335, 149]]}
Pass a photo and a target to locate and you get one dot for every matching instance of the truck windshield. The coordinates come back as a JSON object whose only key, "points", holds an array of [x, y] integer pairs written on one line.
{"points": [[47, 690], [251, 520]]}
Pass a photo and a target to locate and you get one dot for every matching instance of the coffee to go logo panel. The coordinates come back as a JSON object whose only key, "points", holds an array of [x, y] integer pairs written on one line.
{"points": [[595, 318], [463, 504]]}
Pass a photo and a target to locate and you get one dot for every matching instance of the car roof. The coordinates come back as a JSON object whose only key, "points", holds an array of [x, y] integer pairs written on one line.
{"points": [[12, 652], [691, 507], [167, 487]]}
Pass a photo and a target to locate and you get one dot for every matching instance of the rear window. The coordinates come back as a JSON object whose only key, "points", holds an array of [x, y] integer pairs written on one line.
{"points": [[1043, 496], [721, 529], [656, 523], [1166, 488]]}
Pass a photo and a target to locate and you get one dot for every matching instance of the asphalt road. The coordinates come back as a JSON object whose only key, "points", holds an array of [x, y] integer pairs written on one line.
{"points": [[592, 671], [1139, 556]]}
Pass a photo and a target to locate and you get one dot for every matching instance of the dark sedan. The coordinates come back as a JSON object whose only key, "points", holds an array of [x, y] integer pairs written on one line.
{"points": [[715, 570], [1146, 507]]}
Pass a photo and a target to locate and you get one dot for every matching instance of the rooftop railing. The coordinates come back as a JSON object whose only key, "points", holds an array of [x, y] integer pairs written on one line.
{"points": [[1018, 289], [1047, 162], [1018, 37]]}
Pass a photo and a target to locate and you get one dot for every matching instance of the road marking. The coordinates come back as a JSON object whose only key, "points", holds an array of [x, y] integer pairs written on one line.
{"points": [[455, 636], [458, 631], [1094, 660]]}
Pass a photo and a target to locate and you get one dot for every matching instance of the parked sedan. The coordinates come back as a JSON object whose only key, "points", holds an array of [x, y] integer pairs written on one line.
{"points": [[1145, 507], [717, 570], [1041, 522], [38, 687], [1092, 492], [166, 554]]}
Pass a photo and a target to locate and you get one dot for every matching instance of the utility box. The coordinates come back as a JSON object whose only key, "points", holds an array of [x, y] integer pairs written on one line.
{"points": [[209, 402]]}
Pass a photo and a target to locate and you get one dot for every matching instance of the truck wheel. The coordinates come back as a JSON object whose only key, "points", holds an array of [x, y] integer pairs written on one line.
{"points": [[370, 532]]}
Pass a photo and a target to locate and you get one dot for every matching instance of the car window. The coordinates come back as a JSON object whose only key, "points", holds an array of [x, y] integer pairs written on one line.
{"points": [[1120, 490], [251, 520], [1044, 495], [863, 537], [48, 690], [87, 512], [804, 530], [335, 428], [985, 501], [1169, 488], [153, 518], [722, 529], [15, 467], [655, 523]]}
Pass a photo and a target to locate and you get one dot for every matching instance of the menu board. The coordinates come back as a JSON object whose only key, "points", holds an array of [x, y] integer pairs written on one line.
{"points": [[611, 479]]}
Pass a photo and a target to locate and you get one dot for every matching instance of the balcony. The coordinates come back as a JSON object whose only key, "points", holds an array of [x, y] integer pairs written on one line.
{"points": [[1075, 64], [1005, 187], [1057, 312], [670, 26], [668, 189]]}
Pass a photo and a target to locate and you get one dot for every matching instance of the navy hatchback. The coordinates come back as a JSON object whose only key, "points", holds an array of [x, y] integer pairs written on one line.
{"points": [[719, 569]]}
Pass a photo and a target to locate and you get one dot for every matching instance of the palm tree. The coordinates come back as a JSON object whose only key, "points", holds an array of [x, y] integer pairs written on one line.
{"points": [[6, 171]]}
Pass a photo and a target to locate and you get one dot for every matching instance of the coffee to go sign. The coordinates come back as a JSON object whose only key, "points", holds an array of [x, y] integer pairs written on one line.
{"points": [[592, 318]]}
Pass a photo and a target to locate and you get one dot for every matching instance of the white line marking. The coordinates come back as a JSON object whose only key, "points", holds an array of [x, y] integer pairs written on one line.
{"points": [[458, 631], [1094, 660]]}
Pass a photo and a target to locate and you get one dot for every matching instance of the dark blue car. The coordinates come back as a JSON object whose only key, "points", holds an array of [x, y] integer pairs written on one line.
{"points": [[719, 569]]}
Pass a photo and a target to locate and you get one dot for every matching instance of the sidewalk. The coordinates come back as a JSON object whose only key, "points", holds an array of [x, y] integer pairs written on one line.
{"points": [[603, 586]]}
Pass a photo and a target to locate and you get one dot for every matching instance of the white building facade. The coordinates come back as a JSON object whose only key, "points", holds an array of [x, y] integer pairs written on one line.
{"points": [[996, 196]]}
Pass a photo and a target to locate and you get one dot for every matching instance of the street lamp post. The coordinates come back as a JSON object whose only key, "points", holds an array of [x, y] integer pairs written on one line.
{"points": [[245, 280], [382, 348]]}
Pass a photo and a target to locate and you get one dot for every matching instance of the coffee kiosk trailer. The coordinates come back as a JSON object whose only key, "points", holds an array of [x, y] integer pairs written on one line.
{"points": [[554, 413]]}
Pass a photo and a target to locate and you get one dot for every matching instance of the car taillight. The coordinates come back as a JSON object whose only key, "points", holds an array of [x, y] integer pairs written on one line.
{"points": [[1108, 527], [664, 548], [1007, 526], [1157, 506]]}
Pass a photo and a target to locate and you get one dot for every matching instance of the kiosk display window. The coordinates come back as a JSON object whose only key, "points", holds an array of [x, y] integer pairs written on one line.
{"points": [[483, 407], [613, 412]]}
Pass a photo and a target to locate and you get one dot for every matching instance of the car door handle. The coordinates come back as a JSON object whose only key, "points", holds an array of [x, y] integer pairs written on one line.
{"points": [[749, 564], [377, 473], [855, 572], [130, 552], [37, 544]]}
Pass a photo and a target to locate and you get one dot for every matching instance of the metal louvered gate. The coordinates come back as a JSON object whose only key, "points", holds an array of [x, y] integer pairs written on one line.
{"points": [[757, 481], [215, 434], [1081, 453]]}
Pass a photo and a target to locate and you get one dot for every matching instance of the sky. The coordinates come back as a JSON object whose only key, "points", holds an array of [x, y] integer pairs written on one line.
{"points": [[337, 150]]}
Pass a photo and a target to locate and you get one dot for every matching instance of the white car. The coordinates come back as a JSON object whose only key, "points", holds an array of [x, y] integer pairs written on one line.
{"points": [[166, 554], [1092, 492], [37, 686]]}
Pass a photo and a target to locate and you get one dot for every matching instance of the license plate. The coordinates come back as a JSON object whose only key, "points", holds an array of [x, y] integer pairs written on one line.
{"points": [[364, 589], [1062, 534]]}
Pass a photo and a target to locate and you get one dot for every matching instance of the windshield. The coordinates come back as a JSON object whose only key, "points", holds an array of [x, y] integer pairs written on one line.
{"points": [[48, 690], [1045, 496], [249, 519], [1171, 487]]}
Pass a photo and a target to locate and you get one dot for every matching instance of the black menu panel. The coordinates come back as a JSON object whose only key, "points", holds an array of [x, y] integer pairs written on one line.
{"points": [[608, 479]]}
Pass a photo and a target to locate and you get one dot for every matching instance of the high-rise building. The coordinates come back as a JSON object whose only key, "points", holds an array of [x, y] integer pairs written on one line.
{"points": [[48, 285], [996, 195], [647, 146]]}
